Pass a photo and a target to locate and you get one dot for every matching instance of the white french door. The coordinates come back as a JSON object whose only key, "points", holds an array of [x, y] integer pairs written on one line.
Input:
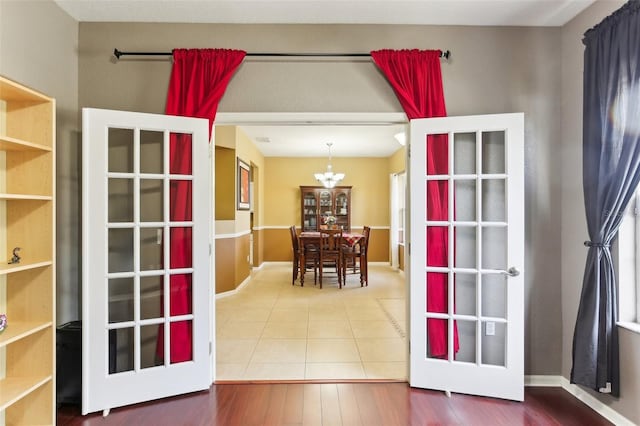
{"points": [[139, 298], [466, 284]]}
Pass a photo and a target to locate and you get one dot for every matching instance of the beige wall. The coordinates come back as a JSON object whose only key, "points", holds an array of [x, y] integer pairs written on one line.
{"points": [[232, 225], [397, 162], [368, 177], [39, 48], [574, 228]]}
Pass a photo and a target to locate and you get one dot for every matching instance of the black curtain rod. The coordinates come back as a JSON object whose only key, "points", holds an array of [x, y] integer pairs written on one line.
{"points": [[118, 53]]}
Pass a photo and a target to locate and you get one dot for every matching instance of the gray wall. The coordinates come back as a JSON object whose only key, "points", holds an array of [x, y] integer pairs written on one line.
{"points": [[491, 70], [38, 48], [533, 70], [574, 226]]}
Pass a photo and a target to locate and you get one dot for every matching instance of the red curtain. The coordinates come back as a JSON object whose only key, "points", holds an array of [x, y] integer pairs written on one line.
{"points": [[199, 78], [417, 82]]}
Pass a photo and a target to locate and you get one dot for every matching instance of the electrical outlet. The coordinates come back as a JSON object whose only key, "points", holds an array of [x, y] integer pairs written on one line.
{"points": [[490, 328]]}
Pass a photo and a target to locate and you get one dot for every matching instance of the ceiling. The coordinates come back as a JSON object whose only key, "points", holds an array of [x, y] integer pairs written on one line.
{"points": [[421, 12], [310, 140]]}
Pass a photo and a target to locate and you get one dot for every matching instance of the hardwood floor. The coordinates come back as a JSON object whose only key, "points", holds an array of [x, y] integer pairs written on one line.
{"points": [[271, 310], [333, 404]]}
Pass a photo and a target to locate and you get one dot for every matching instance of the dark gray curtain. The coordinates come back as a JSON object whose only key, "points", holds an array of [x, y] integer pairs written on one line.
{"points": [[611, 171]]}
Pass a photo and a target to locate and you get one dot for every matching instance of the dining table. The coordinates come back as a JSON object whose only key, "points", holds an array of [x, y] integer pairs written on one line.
{"points": [[313, 237]]}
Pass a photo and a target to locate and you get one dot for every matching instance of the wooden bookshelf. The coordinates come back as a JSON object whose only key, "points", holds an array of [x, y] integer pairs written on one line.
{"points": [[27, 221]]}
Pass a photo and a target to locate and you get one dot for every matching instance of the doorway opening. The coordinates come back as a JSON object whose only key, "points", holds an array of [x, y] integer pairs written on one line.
{"points": [[248, 348]]}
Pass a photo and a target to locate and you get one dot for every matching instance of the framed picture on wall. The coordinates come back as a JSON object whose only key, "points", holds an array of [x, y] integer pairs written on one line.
{"points": [[244, 187]]}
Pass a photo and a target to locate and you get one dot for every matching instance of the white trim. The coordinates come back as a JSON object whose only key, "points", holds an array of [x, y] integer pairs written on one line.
{"points": [[634, 327], [234, 235], [273, 227], [288, 262], [543, 381], [287, 227], [257, 268], [604, 410], [235, 290], [264, 118], [560, 381]]}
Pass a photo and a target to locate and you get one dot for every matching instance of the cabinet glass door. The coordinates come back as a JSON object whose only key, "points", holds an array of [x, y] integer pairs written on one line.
{"points": [[341, 210], [326, 206], [309, 212]]}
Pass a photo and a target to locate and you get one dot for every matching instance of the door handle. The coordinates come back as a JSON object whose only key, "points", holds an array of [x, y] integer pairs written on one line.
{"points": [[512, 272]]}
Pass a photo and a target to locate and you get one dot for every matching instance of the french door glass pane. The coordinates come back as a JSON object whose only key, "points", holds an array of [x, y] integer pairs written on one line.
{"points": [[436, 293], [494, 343], [494, 295], [494, 248], [181, 291], [148, 349], [493, 200], [465, 248], [437, 154], [120, 250], [120, 150], [150, 296], [180, 199], [177, 330], [437, 246], [151, 152], [121, 350], [120, 200], [464, 152], [181, 237], [151, 249], [437, 338], [467, 339], [493, 152], [151, 200], [121, 301], [465, 200], [180, 164], [465, 294], [437, 200]]}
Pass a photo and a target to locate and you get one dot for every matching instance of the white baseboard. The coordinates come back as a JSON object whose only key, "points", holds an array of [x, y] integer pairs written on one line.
{"points": [[559, 381], [235, 290], [543, 381]]}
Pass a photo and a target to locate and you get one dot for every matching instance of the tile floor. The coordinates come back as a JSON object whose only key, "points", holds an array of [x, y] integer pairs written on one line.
{"points": [[271, 330]]}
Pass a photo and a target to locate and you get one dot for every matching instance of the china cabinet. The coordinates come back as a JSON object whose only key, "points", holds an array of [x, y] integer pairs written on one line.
{"points": [[27, 271], [318, 204]]}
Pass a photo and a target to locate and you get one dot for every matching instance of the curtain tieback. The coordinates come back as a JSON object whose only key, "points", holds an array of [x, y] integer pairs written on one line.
{"points": [[599, 245]]}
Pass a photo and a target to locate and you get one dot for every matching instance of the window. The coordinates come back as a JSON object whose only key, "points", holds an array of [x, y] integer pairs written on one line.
{"points": [[397, 201], [401, 194], [628, 259]]}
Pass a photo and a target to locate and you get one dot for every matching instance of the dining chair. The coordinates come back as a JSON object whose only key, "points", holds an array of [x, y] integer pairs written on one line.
{"points": [[311, 258], [331, 252], [354, 258]]}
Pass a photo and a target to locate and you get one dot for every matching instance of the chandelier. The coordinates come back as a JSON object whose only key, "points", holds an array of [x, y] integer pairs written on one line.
{"points": [[329, 179]]}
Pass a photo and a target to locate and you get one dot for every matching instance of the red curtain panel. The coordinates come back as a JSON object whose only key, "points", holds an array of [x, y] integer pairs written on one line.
{"points": [[199, 78], [416, 79]]}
